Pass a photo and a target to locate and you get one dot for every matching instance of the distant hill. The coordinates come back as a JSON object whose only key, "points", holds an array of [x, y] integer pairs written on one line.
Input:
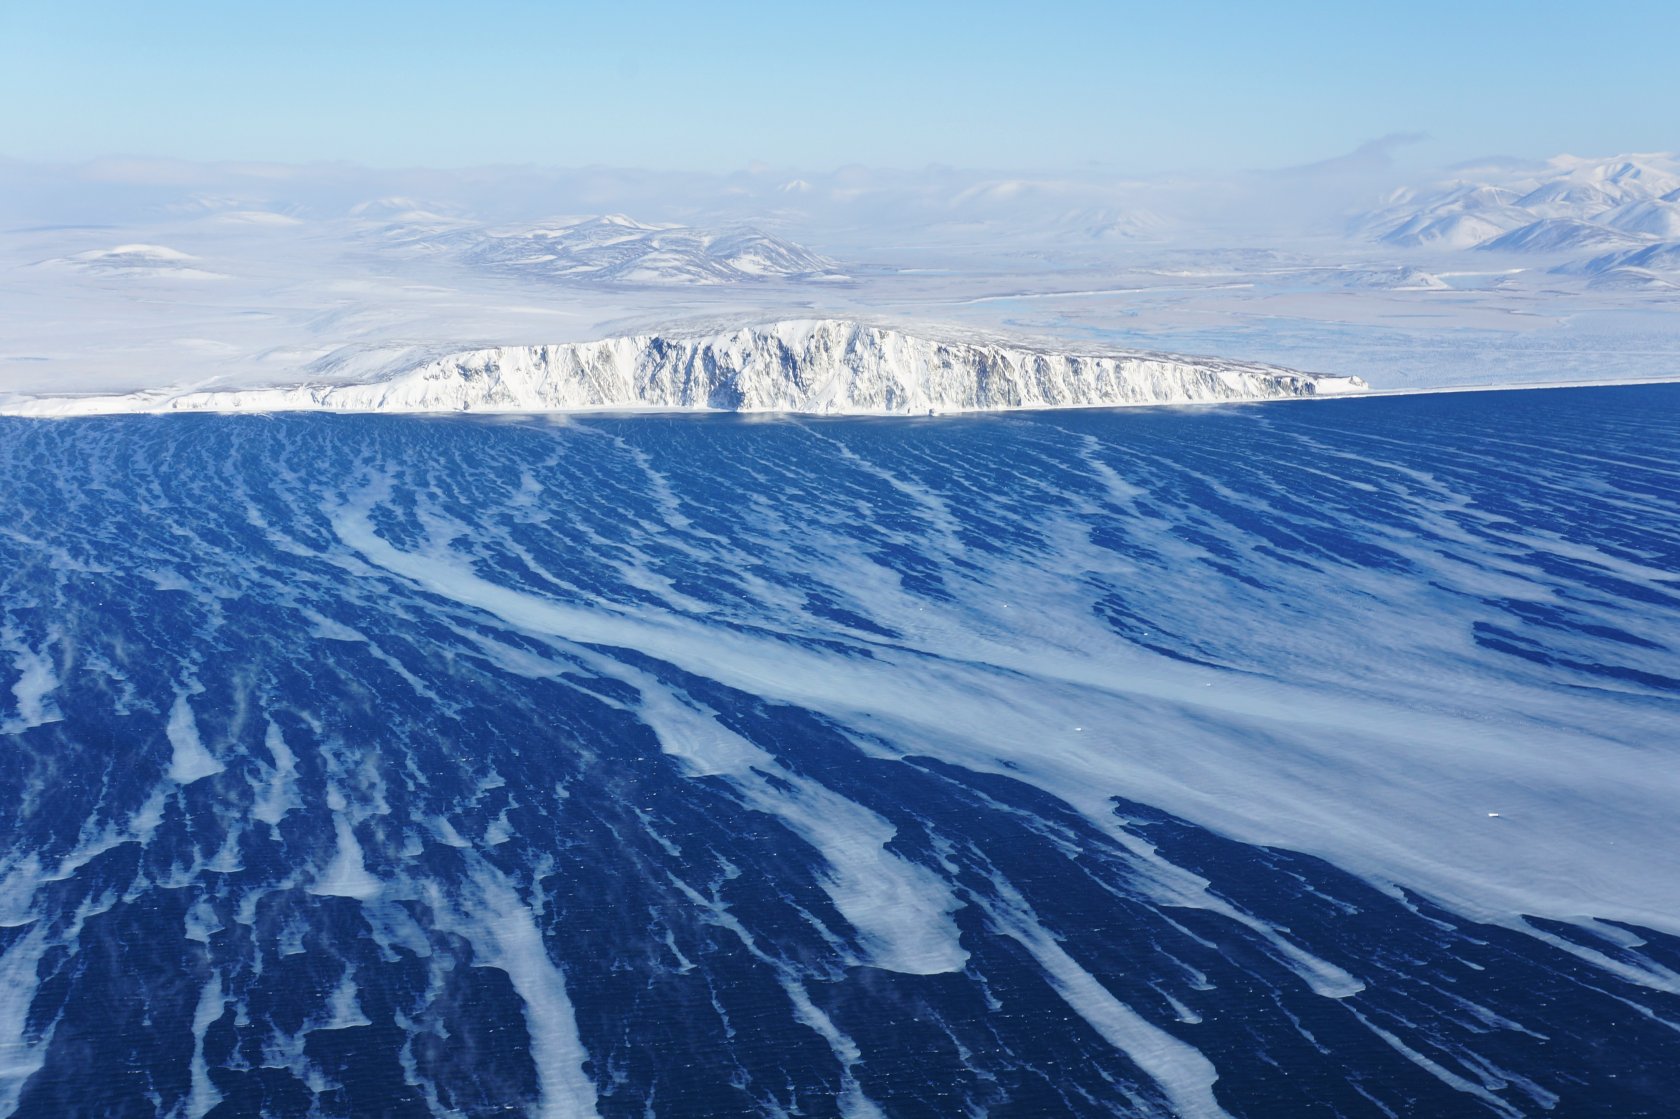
{"points": [[1569, 209]]}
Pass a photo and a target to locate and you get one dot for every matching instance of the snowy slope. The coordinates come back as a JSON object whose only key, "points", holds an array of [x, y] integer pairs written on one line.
{"points": [[1562, 207], [1662, 256], [815, 366], [612, 249], [1558, 235], [1652, 216]]}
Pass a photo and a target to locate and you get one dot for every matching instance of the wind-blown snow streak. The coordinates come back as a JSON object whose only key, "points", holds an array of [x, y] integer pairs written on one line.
{"points": [[1237, 762], [820, 366]]}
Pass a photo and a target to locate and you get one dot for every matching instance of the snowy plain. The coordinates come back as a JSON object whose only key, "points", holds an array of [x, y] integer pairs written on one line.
{"points": [[128, 276]]}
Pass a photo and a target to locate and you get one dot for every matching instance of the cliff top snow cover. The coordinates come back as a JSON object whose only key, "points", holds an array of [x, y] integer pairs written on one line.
{"points": [[814, 366]]}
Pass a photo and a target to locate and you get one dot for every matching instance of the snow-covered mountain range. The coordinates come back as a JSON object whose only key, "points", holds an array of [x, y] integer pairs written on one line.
{"points": [[610, 248], [823, 366], [1617, 220], [160, 278]]}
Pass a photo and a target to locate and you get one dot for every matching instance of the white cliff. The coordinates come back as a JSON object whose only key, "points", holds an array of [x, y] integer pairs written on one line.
{"points": [[818, 366]]}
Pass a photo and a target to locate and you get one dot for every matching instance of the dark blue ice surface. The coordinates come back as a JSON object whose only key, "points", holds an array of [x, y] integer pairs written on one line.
{"points": [[1280, 761]]}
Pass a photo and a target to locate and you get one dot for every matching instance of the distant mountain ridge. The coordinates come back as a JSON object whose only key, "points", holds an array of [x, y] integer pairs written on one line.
{"points": [[1570, 207], [612, 249], [824, 366]]}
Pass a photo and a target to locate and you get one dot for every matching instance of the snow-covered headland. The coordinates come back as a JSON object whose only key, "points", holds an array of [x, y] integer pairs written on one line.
{"points": [[823, 366], [169, 280]]}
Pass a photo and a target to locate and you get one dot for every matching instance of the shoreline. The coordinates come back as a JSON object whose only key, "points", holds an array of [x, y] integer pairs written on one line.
{"points": [[650, 411]]}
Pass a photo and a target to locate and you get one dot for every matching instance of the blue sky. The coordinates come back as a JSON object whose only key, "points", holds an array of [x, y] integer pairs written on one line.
{"points": [[1133, 87]]}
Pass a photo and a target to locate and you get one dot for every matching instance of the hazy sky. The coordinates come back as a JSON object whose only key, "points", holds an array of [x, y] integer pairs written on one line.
{"points": [[1135, 87]]}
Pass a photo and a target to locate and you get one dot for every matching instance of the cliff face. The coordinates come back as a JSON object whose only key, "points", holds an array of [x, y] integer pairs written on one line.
{"points": [[822, 366]]}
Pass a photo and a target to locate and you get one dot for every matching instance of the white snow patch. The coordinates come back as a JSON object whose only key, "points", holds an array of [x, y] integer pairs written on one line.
{"points": [[189, 761]]}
